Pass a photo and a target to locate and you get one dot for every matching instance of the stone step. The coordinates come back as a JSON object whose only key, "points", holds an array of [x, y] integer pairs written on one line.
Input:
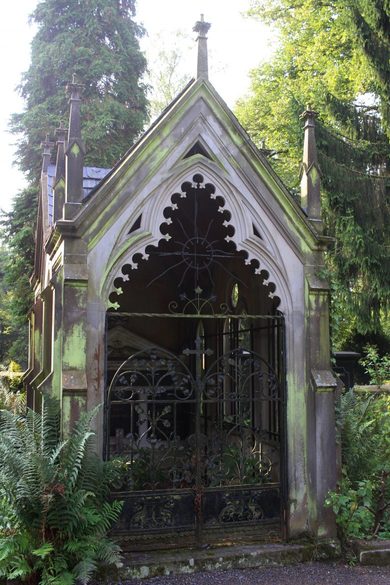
{"points": [[157, 563], [373, 552]]}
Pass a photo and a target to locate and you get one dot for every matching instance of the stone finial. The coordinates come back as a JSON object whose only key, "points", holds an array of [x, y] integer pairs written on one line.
{"points": [[311, 174], [202, 27], [46, 153], [61, 132], [59, 181], [74, 162], [74, 91]]}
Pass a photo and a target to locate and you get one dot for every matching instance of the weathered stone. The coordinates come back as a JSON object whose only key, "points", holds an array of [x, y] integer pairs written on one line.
{"points": [[184, 561], [94, 256], [372, 552]]}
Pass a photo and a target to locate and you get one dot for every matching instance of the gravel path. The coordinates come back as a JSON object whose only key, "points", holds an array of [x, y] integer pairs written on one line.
{"points": [[319, 573]]}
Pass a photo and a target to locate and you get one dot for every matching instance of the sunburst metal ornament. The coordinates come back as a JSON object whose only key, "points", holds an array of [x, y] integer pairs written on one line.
{"points": [[196, 252]]}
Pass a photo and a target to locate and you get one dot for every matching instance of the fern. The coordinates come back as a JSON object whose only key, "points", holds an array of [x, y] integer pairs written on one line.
{"points": [[54, 513]]}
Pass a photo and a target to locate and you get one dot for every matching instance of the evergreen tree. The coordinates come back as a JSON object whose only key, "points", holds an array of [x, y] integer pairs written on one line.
{"points": [[16, 261], [98, 41], [319, 62]]}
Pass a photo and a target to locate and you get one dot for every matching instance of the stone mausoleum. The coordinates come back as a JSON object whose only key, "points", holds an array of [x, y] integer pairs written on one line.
{"points": [[182, 291]]}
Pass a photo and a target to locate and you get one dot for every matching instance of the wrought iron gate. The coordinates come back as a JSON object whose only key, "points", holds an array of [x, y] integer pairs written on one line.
{"points": [[201, 442], [200, 431]]}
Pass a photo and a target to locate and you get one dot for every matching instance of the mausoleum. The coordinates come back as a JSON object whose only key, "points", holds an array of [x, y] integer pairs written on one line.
{"points": [[182, 291]]}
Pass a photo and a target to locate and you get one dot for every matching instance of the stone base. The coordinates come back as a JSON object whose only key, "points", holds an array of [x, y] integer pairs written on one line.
{"points": [[156, 563], [372, 552]]}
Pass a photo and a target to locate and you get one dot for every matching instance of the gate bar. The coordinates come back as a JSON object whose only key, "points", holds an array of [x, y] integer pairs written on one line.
{"points": [[195, 315]]}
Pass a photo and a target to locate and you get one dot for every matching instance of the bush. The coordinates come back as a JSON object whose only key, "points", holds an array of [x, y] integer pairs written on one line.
{"points": [[362, 501], [12, 395], [377, 367], [54, 512]]}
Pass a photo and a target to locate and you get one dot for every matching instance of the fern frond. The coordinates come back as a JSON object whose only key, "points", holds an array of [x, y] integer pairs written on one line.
{"points": [[84, 569]]}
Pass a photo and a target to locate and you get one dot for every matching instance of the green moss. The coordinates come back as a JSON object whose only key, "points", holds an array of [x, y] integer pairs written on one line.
{"points": [[75, 150], [314, 175], [75, 347], [38, 345], [56, 379]]}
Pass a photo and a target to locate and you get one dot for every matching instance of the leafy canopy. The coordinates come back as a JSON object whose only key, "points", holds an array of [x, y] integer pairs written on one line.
{"points": [[319, 62]]}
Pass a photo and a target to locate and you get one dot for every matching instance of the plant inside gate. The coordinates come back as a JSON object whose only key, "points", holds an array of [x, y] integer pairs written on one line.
{"points": [[54, 511], [362, 501]]}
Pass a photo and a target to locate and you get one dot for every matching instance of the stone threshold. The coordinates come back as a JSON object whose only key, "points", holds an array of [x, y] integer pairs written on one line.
{"points": [[141, 565], [372, 552]]}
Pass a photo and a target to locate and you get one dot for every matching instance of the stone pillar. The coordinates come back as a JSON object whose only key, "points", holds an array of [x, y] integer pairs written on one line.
{"points": [[57, 280], [75, 151], [323, 468], [74, 331], [59, 182], [310, 173], [202, 27], [46, 154]]}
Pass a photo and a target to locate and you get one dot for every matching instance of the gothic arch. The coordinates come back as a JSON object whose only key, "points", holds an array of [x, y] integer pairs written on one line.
{"points": [[133, 249]]}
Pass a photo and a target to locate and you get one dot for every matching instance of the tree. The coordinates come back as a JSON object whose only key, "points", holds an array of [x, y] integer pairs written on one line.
{"points": [[319, 62], [98, 41], [371, 20], [167, 76]]}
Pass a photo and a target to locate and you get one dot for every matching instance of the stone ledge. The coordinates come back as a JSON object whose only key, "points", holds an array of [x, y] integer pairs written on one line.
{"points": [[158, 563], [372, 552], [379, 557]]}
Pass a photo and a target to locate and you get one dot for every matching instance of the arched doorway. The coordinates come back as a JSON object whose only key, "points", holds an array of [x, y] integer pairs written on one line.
{"points": [[196, 383]]}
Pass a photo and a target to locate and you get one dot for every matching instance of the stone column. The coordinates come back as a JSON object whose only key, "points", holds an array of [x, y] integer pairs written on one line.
{"points": [[59, 182], [310, 173], [323, 469], [74, 161], [202, 28], [74, 331]]}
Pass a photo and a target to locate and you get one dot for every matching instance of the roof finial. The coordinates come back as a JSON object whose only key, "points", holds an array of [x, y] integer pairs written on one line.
{"points": [[59, 180], [74, 153], [46, 154], [311, 174], [202, 27]]}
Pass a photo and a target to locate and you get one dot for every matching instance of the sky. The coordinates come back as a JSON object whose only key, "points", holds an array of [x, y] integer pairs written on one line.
{"points": [[236, 45]]}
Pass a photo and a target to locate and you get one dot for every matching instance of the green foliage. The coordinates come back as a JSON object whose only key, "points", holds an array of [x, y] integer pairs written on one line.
{"points": [[376, 366], [362, 500], [16, 260], [355, 510], [54, 511], [166, 75], [98, 41], [12, 395], [319, 62], [141, 471]]}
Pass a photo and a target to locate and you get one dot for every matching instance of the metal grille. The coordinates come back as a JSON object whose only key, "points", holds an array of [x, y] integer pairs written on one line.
{"points": [[200, 437], [199, 431]]}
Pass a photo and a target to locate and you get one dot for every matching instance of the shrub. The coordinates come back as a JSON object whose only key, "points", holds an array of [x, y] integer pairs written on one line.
{"points": [[54, 512], [12, 395], [362, 501], [377, 367]]}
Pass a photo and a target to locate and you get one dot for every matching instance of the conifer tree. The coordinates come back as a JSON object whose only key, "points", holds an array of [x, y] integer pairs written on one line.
{"points": [[323, 60], [98, 41]]}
